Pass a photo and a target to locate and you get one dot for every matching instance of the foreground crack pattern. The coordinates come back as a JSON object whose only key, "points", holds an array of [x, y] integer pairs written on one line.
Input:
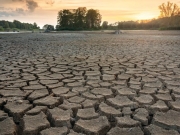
{"points": [[90, 84]]}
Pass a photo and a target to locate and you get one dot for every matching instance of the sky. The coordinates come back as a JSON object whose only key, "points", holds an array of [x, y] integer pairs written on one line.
{"points": [[45, 11]]}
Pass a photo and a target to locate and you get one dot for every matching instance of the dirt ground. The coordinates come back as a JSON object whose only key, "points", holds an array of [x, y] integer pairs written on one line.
{"points": [[92, 83]]}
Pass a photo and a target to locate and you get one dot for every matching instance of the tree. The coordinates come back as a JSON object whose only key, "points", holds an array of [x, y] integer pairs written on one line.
{"points": [[65, 18], [93, 18], [12, 25], [79, 17], [35, 26], [105, 25], [169, 9], [17, 24], [48, 27], [1, 28]]}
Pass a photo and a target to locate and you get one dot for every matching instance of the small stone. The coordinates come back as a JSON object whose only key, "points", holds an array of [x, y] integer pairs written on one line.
{"points": [[121, 101], [158, 106], [99, 126], [69, 95], [164, 97], [125, 131], [59, 117], [137, 88], [38, 94], [105, 84], [55, 131], [89, 103], [108, 77], [2, 102], [76, 99], [3, 115], [153, 85], [17, 110], [149, 80], [148, 91], [48, 101], [156, 130], [56, 76], [93, 73], [127, 122], [75, 84], [93, 78], [14, 93], [45, 82], [32, 125], [74, 133], [127, 92], [124, 77], [34, 87], [141, 115], [120, 82], [169, 120], [175, 96], [79, 89], [91, 96], [86, 114], [60, 90], [51, 86], [175, 105], [37, 110], [126, 111], [172, 83], [8, 127], [109, 111], [176, 90], [73, 106], [144, 100], [107, 93], [68, 81], [163, 91]]}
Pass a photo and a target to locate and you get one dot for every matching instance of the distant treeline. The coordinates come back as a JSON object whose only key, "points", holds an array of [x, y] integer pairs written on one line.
{"points": [[166, 23], [78, 19], [169, 19], [15, 25]]}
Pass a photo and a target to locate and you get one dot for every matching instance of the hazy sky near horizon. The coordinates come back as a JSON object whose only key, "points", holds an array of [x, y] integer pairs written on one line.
{"points": [[45, 11]]}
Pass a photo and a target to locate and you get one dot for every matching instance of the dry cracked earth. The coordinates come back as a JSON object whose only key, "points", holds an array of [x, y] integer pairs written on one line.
{"points": [[92, 84]]}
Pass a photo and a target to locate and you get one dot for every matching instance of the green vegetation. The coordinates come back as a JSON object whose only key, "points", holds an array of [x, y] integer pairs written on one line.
{"points": [[16, 26], [78, 19], [1, 28]]}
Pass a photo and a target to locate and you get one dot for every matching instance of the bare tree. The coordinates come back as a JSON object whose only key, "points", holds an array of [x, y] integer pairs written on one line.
{"points": [[169, 9]]}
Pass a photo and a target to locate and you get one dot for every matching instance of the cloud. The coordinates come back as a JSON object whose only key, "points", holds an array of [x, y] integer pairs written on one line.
{"points": [[50, 2], [20, 11], [31, 4], [12, 12]]}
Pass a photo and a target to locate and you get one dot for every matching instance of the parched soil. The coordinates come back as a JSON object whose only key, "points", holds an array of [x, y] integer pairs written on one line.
{"points": [[90, 83]]}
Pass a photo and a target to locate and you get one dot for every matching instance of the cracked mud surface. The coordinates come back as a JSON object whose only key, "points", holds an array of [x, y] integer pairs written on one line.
{"points": [[94, 84]]}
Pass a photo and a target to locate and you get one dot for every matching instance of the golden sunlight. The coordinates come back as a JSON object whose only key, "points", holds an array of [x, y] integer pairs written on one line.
{"points": [[145, 16]]}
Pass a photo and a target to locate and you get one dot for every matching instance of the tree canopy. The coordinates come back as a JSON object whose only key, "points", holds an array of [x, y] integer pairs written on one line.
{"points": [[18, 25], [48, 27], [78, 19]]}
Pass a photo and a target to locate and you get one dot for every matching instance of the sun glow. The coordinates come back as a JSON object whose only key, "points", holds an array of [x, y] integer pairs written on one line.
{"points": [[145, 16]]}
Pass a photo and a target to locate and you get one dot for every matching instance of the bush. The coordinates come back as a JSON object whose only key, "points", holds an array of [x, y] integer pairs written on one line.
{"points": [[1, 28], [15, 29], [170, 28]]}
